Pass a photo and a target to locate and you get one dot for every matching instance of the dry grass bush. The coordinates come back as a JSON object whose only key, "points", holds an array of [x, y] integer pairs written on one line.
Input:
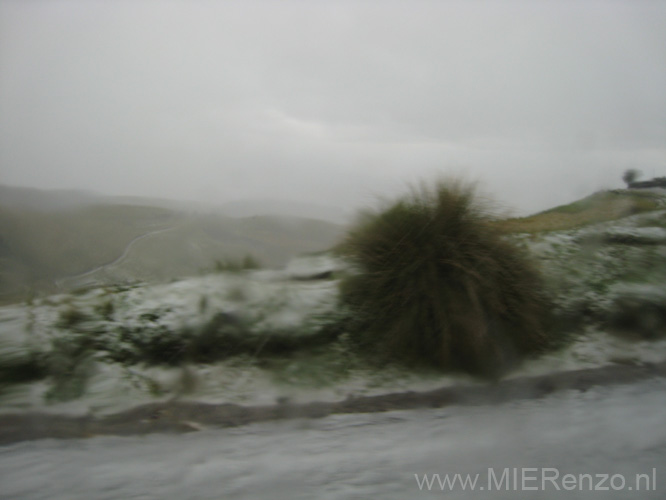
{"points": [[437, 285]]}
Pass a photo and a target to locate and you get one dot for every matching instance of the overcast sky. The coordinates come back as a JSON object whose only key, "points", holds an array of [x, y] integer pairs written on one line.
{"points": [[332, 102]]}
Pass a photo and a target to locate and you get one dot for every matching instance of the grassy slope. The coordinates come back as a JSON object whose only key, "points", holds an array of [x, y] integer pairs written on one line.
{"points": [[598, 207], [196, 243], [39, 247], [582, 270]]}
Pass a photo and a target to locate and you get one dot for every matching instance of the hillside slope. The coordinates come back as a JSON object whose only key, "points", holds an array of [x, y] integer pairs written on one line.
{"points": [[265, 335], [599, 207], [48, 244]]}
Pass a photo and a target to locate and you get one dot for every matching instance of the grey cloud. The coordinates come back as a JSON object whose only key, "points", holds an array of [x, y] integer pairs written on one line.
{"points": [[330, 101]]}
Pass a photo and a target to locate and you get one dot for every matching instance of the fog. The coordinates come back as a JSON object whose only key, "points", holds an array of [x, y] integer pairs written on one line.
{"points": [[333, 103]]}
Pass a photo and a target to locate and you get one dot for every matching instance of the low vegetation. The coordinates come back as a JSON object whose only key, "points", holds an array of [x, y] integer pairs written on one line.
{"points": [[599, 207], [37, 248], [46, 251], [433, 281], [247, 263], [437, 285]]}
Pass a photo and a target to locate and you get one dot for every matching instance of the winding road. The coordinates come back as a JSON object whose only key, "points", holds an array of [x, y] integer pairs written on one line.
{"points": [[62, 281]]}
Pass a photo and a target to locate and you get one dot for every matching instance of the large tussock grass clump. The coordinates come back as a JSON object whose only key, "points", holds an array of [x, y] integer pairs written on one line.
{"points": [[437, 285]]}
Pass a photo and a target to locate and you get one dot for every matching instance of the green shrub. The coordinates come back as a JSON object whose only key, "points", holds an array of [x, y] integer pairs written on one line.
{"points": [[437, 285], [24, 369], [249, 262], [158, 345], [70, 317], [105, 309], [69, 364]]}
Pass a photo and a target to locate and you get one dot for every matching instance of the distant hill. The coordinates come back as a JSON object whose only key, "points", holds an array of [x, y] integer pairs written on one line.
{"points": [[251, 208], [53, 240], [43, 199], [64, 199]]}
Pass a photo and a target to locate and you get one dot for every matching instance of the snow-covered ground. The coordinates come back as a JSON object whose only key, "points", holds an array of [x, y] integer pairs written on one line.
{"points": [[587, 277], [595, 273], [613, 432], [123, 322]]}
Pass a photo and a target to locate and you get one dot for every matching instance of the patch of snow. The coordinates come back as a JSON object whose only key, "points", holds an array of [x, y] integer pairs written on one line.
{"points": [[316, 265], [642, 291], [593, 349], [583, 279], [630, 235]]}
